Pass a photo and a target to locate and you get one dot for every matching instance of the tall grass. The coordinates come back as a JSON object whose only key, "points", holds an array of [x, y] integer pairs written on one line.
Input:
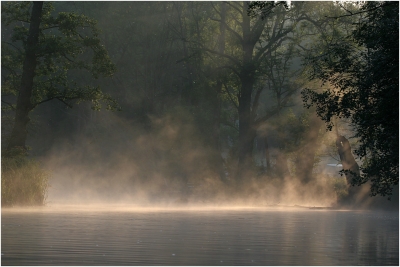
{"points": [[23, 182]]}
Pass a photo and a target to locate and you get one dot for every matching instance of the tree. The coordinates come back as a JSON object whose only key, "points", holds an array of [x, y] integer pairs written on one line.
{"points": [[51, 49], [363, 71], [251, 41]]}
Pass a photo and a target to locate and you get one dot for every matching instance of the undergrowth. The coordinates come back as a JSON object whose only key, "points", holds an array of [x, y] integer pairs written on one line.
{"points": [[340, 186], [23, 182]]}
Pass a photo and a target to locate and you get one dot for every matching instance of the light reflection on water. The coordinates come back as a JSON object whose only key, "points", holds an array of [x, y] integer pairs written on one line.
{"points": [[203, 237]]}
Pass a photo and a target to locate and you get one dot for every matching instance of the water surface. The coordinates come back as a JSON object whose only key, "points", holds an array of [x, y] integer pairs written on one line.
{"points": [[257, 236]]}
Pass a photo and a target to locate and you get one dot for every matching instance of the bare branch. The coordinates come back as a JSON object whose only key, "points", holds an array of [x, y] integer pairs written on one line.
{"points": [[257, 30], [216, 10], [270, 47], [230, 96], [8, 104], [275, 42], [230, 29], [231, 68], [52, 27], [11, 44], [68, 105], [232, 59], [234, 7]]}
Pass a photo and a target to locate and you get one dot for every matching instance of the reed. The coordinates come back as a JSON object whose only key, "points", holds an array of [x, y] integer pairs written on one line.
{"points": [[23, 182]]}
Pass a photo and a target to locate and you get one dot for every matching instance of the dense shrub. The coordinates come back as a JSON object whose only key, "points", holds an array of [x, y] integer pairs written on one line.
{"points": [[23, 182], [340, 186]]}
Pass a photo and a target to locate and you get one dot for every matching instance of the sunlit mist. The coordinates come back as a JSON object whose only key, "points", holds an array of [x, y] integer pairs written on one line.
{"points": [[199, 133]]}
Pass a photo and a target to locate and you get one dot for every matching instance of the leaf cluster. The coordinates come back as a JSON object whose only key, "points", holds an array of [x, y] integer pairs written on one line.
{"points": [[363, 73], [68, 51]]}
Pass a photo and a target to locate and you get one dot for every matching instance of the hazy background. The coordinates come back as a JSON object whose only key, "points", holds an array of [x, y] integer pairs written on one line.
{"points": [[175, 139]]}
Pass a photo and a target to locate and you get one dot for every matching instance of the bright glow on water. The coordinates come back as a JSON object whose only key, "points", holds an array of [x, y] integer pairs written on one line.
{"points": [[121, 235]]}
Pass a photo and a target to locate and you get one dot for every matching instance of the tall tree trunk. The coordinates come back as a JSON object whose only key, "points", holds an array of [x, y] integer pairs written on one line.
{"points": [[218, 86], [247, 133], [24, 105]]}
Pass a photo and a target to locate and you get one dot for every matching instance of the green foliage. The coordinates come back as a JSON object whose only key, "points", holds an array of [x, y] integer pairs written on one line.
{"points": [[364, 71], [340, 187], [265, 8], [291, 129], [23, 181], [68, 52], [181, 71]]}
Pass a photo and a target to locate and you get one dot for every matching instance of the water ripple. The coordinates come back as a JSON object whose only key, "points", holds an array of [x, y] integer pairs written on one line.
{"points": [[200, 238]]}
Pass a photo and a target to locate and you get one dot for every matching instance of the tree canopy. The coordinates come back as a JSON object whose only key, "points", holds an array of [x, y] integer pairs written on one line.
{"points": [[45, 58], [208, 92], [363, 71]]}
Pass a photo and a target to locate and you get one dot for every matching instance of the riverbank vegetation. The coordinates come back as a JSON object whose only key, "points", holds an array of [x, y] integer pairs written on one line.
{"points": [[210, 100], [24, 182]]}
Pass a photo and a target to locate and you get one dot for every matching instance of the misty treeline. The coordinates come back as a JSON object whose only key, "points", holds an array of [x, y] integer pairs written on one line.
{"points": [[205, 96]]}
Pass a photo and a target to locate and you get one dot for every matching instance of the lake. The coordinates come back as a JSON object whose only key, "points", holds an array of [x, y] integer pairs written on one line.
{"points": [[216, 236]]}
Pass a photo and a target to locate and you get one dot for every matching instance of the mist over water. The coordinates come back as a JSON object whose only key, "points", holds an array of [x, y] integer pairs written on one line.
{"points": [[126, 195], [150, 197], [216, 157], [162, 167], [176, 139]]}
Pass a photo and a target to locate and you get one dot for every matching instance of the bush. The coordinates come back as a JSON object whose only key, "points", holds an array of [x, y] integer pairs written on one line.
{"points": [[340, 186], [23, 182]]}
